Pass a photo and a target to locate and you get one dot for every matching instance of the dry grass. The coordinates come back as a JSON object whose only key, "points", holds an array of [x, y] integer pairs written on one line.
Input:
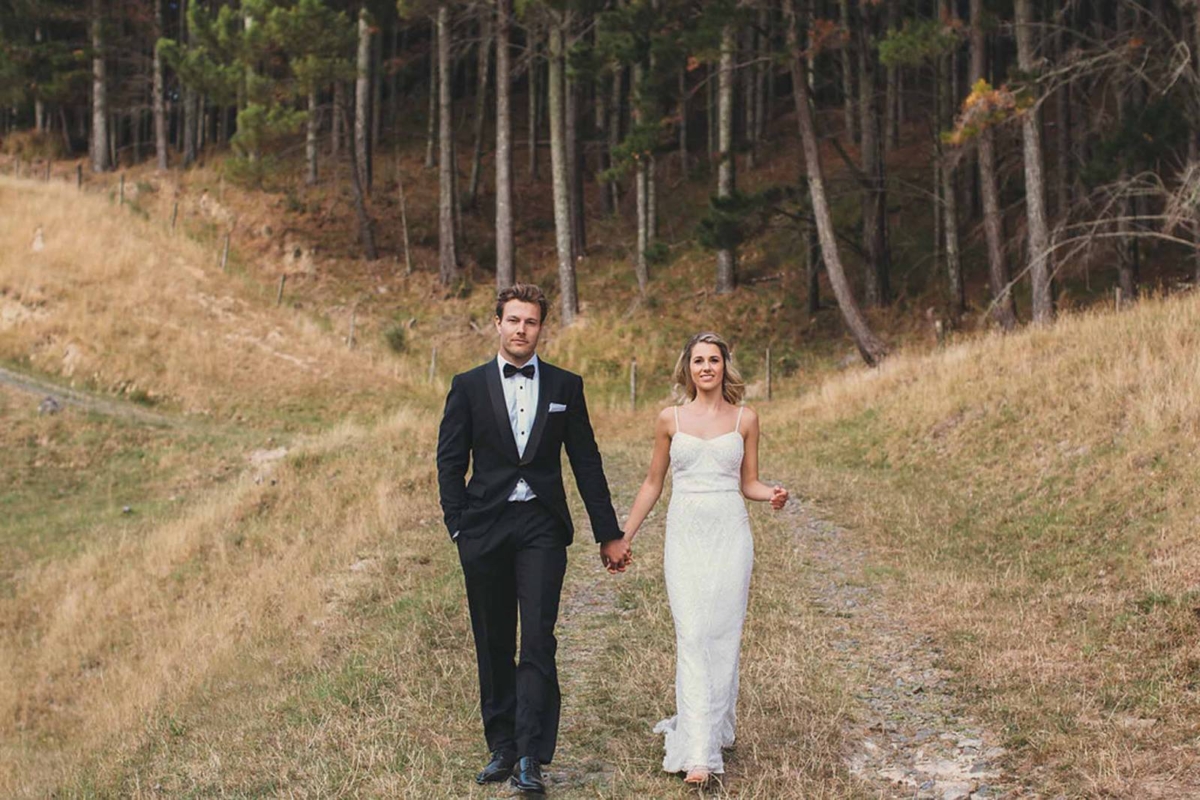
{"points": [[116, 303], [1038, 494]]}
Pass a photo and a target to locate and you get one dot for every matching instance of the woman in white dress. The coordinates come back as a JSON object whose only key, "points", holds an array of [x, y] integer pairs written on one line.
{"points": [[711, 444]]}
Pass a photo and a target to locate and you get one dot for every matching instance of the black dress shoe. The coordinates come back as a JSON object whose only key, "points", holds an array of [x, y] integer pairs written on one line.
{"points": [[498, 769], [528, 776]]}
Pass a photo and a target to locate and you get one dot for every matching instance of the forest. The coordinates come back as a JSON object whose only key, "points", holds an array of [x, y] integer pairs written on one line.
{"points": [[1060, 138]]}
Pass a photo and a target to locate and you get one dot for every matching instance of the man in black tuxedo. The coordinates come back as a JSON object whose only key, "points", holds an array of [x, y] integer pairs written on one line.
{"points": [[509, 420]]}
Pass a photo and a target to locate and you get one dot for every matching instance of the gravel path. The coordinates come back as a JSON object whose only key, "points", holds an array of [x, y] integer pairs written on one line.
{"points": [[67, 396], [914, 738]]}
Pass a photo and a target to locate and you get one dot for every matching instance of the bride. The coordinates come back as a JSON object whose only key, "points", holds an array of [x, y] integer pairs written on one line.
{"points": [[711, 443]]}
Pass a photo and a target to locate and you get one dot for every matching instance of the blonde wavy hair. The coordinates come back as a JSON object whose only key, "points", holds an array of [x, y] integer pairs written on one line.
{"points": [[733, 387]]}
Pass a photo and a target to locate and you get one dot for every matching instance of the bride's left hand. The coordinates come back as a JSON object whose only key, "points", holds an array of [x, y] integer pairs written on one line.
{"points": [[779, 497]]}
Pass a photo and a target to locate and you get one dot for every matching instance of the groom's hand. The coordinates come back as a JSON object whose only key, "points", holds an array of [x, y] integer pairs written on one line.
{"points": [[615, 555]]}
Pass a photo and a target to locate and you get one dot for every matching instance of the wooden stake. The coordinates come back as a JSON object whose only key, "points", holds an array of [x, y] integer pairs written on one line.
{"points": [[432, 364], [1117, 302], [633, 384], [939, 328], [79, 176], [225, 253], [174, 213], [47, 172], [408, 267], [279, 297], [121, 196], [350, 338], [768, 372]]}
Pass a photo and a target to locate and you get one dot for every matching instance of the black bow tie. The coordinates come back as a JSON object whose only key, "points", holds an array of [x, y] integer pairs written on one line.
{"points": [[528, 370]]}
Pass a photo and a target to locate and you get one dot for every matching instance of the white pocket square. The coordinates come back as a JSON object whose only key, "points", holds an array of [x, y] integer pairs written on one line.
{"points": [[556, 407]]}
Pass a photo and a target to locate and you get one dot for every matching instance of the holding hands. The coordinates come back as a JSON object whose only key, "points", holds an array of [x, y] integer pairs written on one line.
{"points": [[616, 555]]}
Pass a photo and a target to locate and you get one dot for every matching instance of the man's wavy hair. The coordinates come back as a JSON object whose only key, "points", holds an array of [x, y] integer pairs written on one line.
{"points": [[526, 293], [733, 387]]}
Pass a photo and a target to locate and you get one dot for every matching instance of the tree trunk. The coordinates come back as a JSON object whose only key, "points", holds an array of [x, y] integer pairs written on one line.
{"points": [[376, 92], [534, 90], [683, 122], [874, 199], [190, 103], [366, 225], [949, 175], [1062, 130], [1003, 310], [483, 59], [748, 73], [641, 184], [310, 138], [710, 107], [362, 101], [573, 104], [726, 258], [39, 106], [1128, 265], [335, 129], [431, 125], [849, 91], [558, 167], [447, 234], [160, 103], [614, 136], [1035, 185], [812, 263], [891, 125], [505, 268], [100, 144], [872, 349]]}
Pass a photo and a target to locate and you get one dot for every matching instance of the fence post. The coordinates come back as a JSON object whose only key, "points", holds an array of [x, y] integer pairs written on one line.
{"points": [[433, 364], [79, 176], [47, 170], [174, 213], [633, 384], [350, 338], [768, 372], [225, 253], [279, 297], [121, 196], [1117, 300]]}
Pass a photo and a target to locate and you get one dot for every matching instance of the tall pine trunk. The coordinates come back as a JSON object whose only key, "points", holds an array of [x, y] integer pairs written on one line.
{"points": [[483, 60], [874, 199], [160, 102], [556, 87], [849, 91], [726, 258], [362, 101], [431, 123], [310, 138], [872, 348], [505, 267], [531, 34], [100, 145], [641, 185], [1003, 306], [1035, 183], [447, 233], [949, 175]]}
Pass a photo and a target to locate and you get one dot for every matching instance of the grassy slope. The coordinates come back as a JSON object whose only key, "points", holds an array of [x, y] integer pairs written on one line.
{"points": [[1031, 491], [1036, 495]]}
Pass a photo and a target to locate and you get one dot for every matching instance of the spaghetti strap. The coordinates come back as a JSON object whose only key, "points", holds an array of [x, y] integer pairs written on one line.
{"points": [[738, 426], [676, 410]]}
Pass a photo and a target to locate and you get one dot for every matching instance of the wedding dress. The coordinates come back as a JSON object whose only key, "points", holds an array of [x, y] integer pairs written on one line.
{"points": [[707, 559]]}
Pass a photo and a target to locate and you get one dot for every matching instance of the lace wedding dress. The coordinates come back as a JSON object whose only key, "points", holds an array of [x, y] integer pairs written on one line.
{"points": [[708, 555]]}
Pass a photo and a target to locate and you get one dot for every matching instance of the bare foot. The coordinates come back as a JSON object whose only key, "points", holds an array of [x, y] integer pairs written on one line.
{"points": [[698, 776]]}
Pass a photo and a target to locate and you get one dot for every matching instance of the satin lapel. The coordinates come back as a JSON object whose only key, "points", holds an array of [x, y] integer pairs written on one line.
{"points": [[546, 386], [496, 394]]}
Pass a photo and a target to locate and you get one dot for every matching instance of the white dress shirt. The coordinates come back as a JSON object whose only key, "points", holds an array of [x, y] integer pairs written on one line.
{"points": [[521, 397]]}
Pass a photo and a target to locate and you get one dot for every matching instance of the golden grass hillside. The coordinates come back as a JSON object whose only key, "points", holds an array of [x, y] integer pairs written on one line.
{"points": [[1035, 499], [113, 301]]}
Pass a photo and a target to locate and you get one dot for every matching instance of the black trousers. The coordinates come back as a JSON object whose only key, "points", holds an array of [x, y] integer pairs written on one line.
{"points": [[516, 571]]}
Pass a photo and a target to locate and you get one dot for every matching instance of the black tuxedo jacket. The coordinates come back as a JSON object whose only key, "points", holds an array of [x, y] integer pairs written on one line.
{"points": [[476, 431]]}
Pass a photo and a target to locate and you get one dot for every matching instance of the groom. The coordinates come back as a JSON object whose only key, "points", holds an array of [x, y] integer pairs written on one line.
{"points": [[509, 420]]}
